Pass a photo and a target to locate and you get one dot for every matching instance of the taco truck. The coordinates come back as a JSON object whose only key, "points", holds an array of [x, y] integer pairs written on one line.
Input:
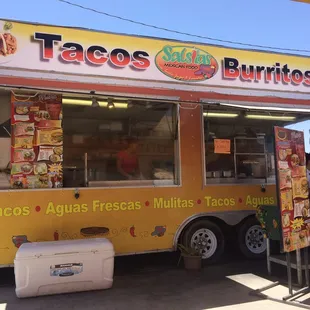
{"points": [[201, 117]]}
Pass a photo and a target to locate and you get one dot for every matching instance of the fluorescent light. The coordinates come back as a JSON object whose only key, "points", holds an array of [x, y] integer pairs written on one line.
{"points": [[256, 107], [270, 117], [85, 102], [218, 114]]}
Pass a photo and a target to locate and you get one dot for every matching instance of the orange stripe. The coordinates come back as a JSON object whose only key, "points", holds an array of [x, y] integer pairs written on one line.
{"points": [[184, 95]]}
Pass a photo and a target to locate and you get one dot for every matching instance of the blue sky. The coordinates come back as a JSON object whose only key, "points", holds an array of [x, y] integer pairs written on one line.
{"points": [[282, 23]]}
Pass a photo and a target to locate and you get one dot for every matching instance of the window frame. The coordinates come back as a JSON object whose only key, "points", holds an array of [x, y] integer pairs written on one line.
{"points": [[204, 165], [177, 180]]}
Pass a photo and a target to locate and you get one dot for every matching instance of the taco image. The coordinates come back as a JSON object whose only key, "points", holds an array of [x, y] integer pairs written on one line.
{"points": [[8, 44]]}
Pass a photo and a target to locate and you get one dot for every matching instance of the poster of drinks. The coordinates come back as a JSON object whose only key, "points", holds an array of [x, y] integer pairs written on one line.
{"points": [[37, 141], [292, 186]]}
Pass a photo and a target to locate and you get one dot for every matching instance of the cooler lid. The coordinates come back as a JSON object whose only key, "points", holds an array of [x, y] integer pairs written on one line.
{"points": [[64, 247]]}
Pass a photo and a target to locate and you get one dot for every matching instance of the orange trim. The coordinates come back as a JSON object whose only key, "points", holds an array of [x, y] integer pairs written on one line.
{"points": [[184, 95]]}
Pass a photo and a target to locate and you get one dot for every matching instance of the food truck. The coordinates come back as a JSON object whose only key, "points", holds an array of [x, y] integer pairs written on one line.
{"points": [[148, 142]]}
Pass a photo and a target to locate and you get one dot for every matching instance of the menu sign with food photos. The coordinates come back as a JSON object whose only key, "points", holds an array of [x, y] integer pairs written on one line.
{"points": [[37, 141], [292, 187]]}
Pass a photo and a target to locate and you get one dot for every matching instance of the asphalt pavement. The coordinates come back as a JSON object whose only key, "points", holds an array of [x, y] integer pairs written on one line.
{"points": [[156, 282]]}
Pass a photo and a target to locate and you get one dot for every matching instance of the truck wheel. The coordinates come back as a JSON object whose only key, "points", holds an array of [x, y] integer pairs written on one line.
{"points": [[206, 237], [251, 239]]}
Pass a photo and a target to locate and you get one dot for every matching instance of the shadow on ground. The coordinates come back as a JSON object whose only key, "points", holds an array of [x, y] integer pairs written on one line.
{"points": [[152, 282]]}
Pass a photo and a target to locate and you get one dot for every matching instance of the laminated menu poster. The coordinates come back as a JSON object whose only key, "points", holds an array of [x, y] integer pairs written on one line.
{"points": [[292, 186], [37, 141]]}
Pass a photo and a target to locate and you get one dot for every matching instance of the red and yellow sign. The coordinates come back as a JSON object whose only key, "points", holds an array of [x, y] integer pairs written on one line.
{"points": [[186, 64], [293, 188], [37, 138], [54, 51], [304, 1]]}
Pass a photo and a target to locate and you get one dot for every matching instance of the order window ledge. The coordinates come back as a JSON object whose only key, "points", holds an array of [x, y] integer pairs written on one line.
{"points": [[131, 183]]}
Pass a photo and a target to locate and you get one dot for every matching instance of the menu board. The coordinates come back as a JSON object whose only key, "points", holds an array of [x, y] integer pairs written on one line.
{"points": [[37, 141], [292, 188]]}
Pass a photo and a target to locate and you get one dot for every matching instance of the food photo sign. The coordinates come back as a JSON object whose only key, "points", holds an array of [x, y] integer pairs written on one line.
{"points": [[292, 188], [37, 141]]}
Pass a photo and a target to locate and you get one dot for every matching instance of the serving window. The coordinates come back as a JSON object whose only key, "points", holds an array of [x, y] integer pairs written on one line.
{"points": [[239, 143], [112, 142], [51, 141]]}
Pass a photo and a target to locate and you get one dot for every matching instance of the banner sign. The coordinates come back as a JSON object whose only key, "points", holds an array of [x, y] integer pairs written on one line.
{"points": [[37, 141], [292, 187], [77, 52]]}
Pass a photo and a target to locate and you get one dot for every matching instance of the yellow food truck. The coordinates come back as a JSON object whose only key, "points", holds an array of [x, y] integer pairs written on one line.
{"points": [[148, 142]]}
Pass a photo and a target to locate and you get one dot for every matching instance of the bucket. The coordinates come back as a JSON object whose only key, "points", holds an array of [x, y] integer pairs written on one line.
{"points": [[192, 262]]}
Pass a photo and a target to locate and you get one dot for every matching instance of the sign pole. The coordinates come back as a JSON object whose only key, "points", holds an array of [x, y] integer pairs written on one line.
{"points": [[289, 273], [306, 257]]}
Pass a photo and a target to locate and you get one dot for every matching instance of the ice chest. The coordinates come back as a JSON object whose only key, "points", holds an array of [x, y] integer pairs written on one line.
{"points": [[45, 268]]}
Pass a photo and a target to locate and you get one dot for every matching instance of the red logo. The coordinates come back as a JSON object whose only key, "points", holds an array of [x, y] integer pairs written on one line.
{"points": [[186, 63]]}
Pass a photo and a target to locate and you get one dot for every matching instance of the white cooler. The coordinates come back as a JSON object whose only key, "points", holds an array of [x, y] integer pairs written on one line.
{"points": [[45, 268]]}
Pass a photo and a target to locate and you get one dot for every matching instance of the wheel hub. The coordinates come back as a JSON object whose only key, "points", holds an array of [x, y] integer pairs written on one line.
{"points": [[205, 241], [254, 240]]}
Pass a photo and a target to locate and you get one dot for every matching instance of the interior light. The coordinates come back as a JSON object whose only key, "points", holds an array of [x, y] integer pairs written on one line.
{"points": [[94, 103], [218, 114], [255, 107], [271, 117], [86, 102], [76, 101], [110, 104]]}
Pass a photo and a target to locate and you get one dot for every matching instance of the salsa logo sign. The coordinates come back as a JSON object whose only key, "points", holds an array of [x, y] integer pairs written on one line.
{"points": [[186, 63]]}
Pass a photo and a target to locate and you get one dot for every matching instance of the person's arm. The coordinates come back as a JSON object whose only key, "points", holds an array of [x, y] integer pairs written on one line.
{"points": [[120, 170]]}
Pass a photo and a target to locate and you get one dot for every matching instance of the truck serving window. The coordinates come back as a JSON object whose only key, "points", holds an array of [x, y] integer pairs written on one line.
{"points": [[119, 143], [239, 143]]}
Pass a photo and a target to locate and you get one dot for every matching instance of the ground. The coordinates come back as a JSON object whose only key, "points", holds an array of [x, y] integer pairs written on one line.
{"points": [[156, 282]]}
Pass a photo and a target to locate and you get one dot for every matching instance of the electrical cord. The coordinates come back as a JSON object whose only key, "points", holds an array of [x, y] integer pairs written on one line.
{"points": [[180, 32]]}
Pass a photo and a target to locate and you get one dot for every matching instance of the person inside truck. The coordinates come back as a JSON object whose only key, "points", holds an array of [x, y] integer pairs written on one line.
{"points": [[128, 161]]}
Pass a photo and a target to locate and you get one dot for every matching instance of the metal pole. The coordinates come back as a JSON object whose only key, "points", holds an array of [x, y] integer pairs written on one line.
{"points": [[306, 266], [289, 273], [268, 257], [299, 268]]}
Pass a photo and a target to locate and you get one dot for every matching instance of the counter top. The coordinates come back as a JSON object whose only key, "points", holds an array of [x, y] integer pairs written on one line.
{"points": [[211, 181], [131, 183]]}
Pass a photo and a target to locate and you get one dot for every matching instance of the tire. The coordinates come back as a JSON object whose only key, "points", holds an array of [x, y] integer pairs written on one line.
{"points": [[213, 239], [251, 239]]}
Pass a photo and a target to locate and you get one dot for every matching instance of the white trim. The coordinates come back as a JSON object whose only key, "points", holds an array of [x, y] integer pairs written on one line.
{"points": [[257, 105], [97, 80]]}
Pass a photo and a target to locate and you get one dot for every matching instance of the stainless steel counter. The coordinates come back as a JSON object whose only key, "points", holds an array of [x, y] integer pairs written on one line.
{"points": [[131, 183], [229, 181]]}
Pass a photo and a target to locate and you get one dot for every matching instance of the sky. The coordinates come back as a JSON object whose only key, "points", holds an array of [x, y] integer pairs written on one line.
{"points": [[281, 23]]}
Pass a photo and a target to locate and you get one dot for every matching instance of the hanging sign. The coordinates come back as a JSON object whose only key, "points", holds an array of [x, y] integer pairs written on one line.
{"points": [[292, 188], [222, 146]]}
